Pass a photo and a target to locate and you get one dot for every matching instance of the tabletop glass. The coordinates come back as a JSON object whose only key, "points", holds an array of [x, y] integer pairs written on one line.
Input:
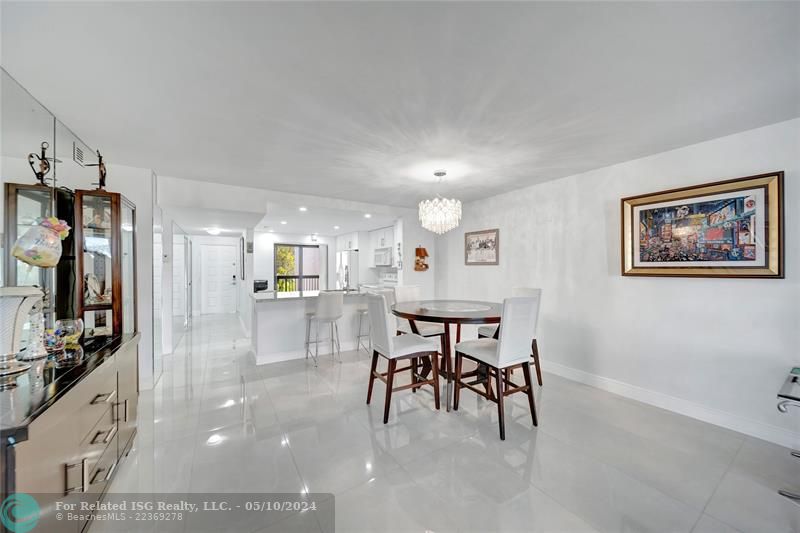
{"points": [[458, 311]]}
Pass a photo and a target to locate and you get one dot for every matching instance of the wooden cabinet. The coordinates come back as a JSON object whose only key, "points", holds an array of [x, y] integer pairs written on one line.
{"points": [[127, 406], [105, 225], [74, 447]]}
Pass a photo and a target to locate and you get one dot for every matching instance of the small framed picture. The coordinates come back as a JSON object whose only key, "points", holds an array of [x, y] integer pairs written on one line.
{"points": [[482, 247]]}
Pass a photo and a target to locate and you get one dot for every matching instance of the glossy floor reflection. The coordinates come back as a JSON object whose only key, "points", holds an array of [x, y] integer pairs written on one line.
{"points": [[216, 422]]}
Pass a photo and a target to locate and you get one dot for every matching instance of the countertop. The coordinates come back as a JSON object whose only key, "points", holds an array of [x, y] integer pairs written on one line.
{"points": [[271, 296], [31, 393]]}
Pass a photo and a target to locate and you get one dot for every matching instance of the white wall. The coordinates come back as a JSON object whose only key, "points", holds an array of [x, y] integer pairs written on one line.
{"points": [[715, 349]]}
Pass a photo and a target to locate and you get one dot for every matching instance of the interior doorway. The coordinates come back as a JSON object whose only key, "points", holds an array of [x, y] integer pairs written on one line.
{"points": [[218, 278]]}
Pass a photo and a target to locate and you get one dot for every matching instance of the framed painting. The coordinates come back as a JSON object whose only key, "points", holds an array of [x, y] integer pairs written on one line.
{"points": [[730, 228], [482, 247]]}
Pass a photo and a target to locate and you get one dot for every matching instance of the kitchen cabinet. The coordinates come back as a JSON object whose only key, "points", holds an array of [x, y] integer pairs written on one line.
{"points": [[380, 238], [347, 242]]}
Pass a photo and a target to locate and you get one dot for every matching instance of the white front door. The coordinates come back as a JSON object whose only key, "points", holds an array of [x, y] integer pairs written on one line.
{"points": [[218, 278]]}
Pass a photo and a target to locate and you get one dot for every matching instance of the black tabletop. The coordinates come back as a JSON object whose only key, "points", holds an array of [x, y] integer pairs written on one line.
{"points": [[450, 311], [25, 396]]}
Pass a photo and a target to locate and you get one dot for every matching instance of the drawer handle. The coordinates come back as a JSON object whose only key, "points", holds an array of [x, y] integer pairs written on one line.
{"points": [[103, 398], [97, 475], [84, 466], [109, 434], [111, 470]]}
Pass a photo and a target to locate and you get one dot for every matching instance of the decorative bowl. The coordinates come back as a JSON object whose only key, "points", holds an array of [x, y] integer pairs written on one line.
{"points": [[73, 329]]}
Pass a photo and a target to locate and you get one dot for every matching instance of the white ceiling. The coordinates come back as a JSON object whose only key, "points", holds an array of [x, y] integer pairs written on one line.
{"points": [[195, 221], [320, 220], [364, 100]]}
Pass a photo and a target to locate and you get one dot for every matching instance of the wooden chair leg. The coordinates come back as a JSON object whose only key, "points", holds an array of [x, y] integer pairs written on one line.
{"points": [[526, 370], [535, 354], [435, 369], [414, 362], [457, 391], [500, 403], [389, 386], [372, 375], [507, 374]]}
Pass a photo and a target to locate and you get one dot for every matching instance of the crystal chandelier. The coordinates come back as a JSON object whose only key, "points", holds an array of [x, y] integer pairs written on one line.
{"points": [[440, 215]]}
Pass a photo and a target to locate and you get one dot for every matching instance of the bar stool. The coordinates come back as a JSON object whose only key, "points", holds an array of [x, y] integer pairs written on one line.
{"points": [[519, 319], [395, 348], [490, 330], [362, 313], [330, 308]]}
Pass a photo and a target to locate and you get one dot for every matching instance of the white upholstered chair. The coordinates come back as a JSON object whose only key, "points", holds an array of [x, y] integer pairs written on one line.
{"points": [[490, 330], [395, 348], [511, 349]]}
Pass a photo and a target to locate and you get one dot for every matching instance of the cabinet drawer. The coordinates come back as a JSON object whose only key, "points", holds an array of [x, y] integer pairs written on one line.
{"points": [[94, 395], [101, 470]]}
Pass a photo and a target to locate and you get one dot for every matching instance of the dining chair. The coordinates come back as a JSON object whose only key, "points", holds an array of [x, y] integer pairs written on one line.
{"points": [[395, 348], [519, 317], [490, 330], [411, 293], [330, 308]]}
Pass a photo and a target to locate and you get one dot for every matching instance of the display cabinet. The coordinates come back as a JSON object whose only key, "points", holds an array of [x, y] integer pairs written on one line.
{"points": [[105, 233], [24, 204]]}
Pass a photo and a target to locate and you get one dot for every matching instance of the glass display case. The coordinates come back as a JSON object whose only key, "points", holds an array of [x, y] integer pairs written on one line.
{"points": [[105, 236], [24, 204]]}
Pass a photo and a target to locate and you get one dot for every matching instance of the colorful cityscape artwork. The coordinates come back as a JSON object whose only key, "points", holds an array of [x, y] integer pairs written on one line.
{"points": [[719, 229]]}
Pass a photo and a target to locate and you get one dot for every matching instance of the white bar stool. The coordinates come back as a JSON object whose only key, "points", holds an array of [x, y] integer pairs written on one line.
{"points": [[363, 312], [330, 308]]}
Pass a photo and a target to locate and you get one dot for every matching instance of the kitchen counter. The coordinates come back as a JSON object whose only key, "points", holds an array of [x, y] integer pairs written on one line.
{"points": [[272, 296], [278, 329], [29, 394]]}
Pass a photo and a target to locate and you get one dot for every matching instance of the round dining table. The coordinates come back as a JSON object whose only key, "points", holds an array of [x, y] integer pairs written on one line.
{"points": [[448, 312]]}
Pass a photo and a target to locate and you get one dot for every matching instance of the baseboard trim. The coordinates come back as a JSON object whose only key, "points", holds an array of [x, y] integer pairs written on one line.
{"points": [[753, 428]]}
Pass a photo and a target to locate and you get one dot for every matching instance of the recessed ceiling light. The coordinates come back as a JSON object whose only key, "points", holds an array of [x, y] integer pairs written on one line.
{"points": [[303, 208], [284, 222], [336, 227], [213, 231], [367, 215]]}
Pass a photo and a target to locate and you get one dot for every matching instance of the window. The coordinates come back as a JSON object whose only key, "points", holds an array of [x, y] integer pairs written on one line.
{"points": [[297, 270]]}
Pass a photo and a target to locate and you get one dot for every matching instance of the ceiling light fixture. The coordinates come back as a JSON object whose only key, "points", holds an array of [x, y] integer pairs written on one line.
{"points": [[213, 231], [367, 215], [302, 208], [440, 215], [336, 227], [284, 222]]}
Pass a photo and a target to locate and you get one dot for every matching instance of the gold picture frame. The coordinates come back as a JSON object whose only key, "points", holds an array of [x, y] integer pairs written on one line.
{"points": [[728, 229]]}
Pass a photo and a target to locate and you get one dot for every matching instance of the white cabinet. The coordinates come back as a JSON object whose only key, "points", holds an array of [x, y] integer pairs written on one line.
{"points": [[378, 239], [382, 238], [347, 242]]}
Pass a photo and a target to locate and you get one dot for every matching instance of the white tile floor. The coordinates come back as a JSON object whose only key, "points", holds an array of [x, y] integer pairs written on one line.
{"points": [[597, 462]]}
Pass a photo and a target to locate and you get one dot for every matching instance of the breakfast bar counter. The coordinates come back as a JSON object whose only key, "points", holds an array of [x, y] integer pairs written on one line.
{"points": [[279, 325]]}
